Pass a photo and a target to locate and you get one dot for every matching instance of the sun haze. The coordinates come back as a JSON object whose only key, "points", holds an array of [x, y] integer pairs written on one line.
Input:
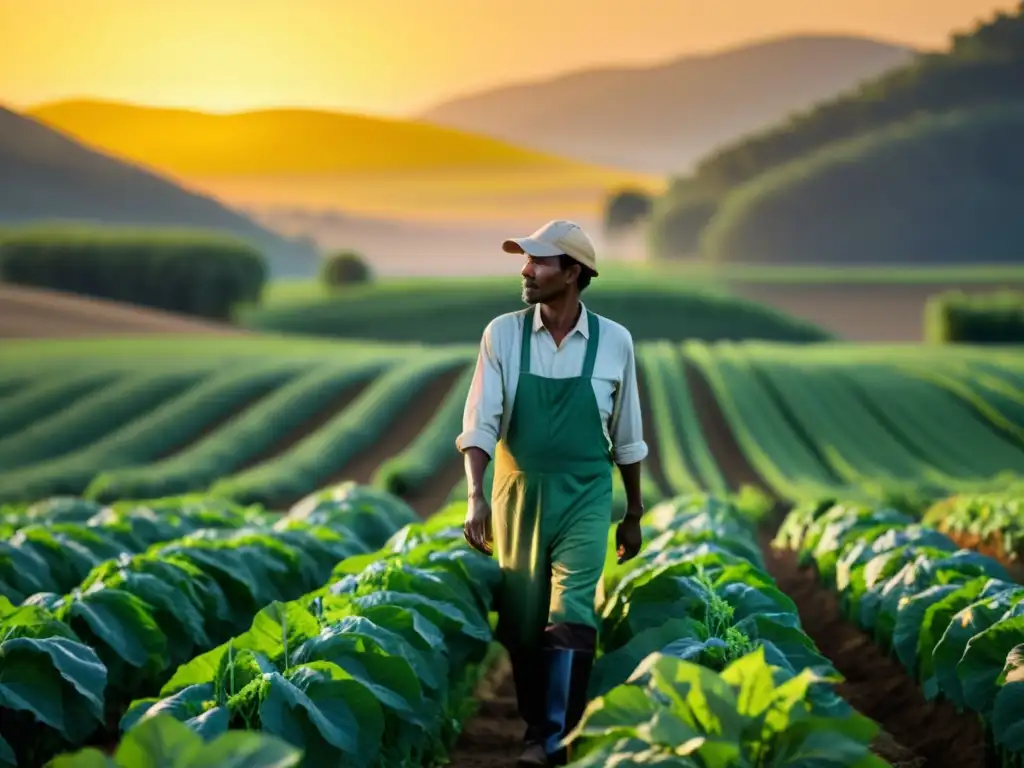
{"points": [[393, 56]]}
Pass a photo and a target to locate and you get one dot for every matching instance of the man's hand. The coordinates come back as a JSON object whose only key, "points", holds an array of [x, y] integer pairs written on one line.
{"points": [[477, 524], [628, 536]]}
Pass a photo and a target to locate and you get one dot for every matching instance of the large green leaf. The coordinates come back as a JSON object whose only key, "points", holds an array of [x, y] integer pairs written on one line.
{"points": [[59, 681], [163, 742], [983, 661], [1007, 723], [323, 710], [419, 633], [966, 623], [122, 629]]}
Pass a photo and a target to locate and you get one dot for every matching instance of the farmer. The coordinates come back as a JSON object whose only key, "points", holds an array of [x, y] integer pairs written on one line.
{"points": [[554, 401]]}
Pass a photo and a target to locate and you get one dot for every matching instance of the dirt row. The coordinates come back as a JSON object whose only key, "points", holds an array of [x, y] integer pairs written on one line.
{"points": [[39, 313]]}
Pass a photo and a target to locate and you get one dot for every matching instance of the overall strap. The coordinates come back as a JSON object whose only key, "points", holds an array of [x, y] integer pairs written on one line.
{"points": [[594, 326], [524, 348]]}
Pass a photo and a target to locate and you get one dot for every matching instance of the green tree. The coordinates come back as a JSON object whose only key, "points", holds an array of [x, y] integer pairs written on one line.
{"points": [[344, 268]]}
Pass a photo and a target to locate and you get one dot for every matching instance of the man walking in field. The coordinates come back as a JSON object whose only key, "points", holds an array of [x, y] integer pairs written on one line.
{"points": [[554, 401]]}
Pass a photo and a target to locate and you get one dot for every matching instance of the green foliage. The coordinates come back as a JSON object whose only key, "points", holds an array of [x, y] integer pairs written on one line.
{"points": [[626, 207], [114, 603], [703, 661], [677, 219], [934, 189], [162, 740], [180, 271], [373, 668], [957, 317], [311, 462], [454, 311], [982, 67], [870, 422], [344, 268], [981, 71], [951, 616], [990, 521], [405, 473], [243, 439], [172, 423]]}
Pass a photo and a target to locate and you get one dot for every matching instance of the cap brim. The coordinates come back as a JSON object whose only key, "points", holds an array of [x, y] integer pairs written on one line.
{"points": [[530, 247]]}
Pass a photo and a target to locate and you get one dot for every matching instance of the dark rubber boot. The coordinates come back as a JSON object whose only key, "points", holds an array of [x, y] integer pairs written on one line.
{"points": [[529, 684], [568, 659]]}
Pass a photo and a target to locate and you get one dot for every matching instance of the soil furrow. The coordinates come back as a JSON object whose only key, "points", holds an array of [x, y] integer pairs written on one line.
{"points": [[723, 446], [216, 423], [404, 428], [306, 427], [876, 684], [653, 460], [916, 732], [493, 736]]}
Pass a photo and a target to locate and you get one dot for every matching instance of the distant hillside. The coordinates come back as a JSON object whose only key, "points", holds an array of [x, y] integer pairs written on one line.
{"points": [[329, 161], [842, 151], [663, 118], [47, 176], [278, 141], [935, 189]]}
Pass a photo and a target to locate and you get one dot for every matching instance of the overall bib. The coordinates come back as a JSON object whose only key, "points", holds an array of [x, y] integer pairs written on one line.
{"points": [[551, 509]]}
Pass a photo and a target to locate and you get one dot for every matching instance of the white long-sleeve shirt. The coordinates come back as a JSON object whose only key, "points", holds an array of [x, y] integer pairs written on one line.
{"points": [[493, 390]]}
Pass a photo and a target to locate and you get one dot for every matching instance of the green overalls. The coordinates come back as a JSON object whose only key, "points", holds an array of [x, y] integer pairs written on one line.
{"points": [[551, 500]]}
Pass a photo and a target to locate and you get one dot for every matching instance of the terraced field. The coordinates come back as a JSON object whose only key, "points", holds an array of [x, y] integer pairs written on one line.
{"points": [[214, 564]]}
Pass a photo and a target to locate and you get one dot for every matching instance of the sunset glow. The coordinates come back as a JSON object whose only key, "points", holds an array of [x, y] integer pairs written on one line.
{"points": [[393, 56]]}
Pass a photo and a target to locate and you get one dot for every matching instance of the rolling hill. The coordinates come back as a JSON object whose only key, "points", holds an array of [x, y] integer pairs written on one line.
{"points": [[331, 160], [918, 165], [48, 176], [188, 142], [662, 118]]}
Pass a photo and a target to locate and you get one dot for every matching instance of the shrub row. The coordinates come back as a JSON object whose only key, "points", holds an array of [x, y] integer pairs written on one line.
{"points": [[188, 272]]}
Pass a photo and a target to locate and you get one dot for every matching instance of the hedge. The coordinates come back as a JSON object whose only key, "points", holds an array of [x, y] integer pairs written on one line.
{"points": [[182, 271]]}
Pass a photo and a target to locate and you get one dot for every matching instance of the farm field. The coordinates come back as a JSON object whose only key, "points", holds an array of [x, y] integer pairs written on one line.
{"points": [[326, 469], [447, 310], [830, 300]]}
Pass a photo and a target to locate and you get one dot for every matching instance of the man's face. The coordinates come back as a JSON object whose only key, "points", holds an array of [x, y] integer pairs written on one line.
{"points": [[544, 279]]}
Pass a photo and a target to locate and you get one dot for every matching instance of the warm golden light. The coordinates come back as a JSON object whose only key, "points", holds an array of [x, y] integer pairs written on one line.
{"points": [[392, 56]]}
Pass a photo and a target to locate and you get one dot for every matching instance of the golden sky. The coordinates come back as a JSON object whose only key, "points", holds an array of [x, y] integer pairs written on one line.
{"points": [[394, 56]]}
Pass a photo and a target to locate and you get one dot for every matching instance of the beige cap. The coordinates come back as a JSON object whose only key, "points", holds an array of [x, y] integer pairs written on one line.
{"points": [[554, 238]]}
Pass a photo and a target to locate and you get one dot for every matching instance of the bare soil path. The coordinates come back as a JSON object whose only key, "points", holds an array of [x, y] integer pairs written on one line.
{"points": [[38, 313], [493, 736]]}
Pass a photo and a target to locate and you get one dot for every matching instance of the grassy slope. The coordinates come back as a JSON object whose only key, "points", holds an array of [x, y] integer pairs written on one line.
{"points": [[980, 67], [456, 311], [955, 176]]}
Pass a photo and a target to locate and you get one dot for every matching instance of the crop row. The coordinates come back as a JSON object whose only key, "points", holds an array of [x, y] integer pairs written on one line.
{"points": [[870, 423], [158, 432], [84, 635], [373, 668], [992, 523], [206, 428], [952, 617], [704, 662], [686, 461]]}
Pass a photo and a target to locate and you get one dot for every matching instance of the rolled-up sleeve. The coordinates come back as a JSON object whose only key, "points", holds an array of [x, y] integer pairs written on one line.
{"points": [[481, 418], [628, 445]]}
